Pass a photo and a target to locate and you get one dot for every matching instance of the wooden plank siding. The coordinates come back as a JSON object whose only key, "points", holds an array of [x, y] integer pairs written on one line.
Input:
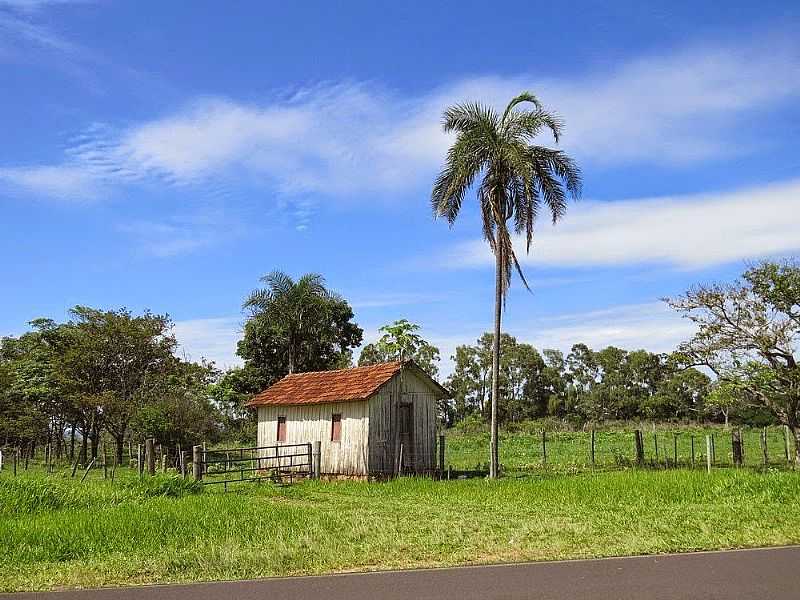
{"points": [[370, 432], [312, 422], [384, 430]]}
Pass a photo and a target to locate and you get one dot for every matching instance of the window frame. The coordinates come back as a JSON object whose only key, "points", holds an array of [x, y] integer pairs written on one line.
{"points": [[336, 428], [281, 421]]}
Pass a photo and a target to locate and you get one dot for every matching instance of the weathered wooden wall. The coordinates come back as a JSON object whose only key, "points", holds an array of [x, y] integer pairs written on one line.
{"points": [[384, 431], [312, 422], [370, 429]]}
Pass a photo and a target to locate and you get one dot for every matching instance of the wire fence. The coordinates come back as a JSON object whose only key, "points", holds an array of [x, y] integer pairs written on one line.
{"points": [[602, 449]]}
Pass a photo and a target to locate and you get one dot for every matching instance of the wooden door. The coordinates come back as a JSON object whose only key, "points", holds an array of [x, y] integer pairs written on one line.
{"points": [[407, 437]]}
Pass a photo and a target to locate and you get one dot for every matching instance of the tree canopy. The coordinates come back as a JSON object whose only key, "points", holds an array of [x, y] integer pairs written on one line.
{"points": [[400, 341], [296, 326], [747, 334]]}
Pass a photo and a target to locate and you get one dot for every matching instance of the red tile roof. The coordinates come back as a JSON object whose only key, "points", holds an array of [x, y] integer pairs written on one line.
{"points": [[319, 387]]}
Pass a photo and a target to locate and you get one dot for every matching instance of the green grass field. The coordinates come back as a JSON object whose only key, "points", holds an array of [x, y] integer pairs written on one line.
{"points": [[570, 451], [57, 532]]}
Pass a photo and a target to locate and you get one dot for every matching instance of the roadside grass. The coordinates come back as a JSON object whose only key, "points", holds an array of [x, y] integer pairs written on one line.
{"points": [[59, 533], [569, 451]]}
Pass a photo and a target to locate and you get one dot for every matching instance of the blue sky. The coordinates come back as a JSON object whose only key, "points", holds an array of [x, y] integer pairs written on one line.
{"points": [[167, 155]]}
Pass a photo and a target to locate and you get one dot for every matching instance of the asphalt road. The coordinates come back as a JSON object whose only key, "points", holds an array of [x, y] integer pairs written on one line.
{"points": [[764, 574]]}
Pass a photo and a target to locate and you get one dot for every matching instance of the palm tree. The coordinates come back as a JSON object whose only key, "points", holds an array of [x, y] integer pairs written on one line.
{"points": [[516, 177], [295, 307]]}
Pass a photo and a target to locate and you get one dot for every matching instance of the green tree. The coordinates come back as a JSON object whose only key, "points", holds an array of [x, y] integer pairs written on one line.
{"points": [[182, 411], [400, 341], [296, 326], [747, 334], [516, 178], [114, 363]]}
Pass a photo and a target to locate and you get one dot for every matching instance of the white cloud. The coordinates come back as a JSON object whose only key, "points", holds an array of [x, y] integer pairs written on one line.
{"points": [[652, 326], [71, 182], [686, 231], [182, 234], [213, 339], [347, 139]]}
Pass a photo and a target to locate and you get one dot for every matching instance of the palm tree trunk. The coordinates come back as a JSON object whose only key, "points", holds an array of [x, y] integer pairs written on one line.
{"points": [[494, 459]]}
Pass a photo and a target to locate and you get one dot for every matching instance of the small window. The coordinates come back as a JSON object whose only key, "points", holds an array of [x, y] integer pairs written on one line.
{"points": [[336, 428], [281, 429]]}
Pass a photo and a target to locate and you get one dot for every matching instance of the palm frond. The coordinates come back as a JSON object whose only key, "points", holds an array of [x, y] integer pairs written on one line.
{"points": [[523, 97]]}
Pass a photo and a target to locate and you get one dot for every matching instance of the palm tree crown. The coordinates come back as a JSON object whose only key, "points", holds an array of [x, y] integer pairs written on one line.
{"points": [[295, 307], [516, 176]]}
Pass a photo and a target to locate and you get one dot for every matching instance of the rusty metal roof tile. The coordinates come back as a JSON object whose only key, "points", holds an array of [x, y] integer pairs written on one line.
{"points": [[320, 387]]}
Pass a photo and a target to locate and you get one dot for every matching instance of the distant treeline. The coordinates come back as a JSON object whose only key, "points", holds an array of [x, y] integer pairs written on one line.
{"points": [[586, 385]]}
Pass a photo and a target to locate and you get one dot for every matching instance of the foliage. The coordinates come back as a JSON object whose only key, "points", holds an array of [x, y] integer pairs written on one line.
{"points": [[747, 334], [296, 326], [586, 386], [400, 341]]}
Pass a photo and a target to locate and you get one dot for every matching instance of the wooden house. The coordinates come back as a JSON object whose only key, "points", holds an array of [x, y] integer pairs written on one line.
{"points": [[372, 420]]}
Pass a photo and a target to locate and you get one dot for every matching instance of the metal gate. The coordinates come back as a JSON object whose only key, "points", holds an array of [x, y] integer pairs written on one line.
{"points": [[254, 463]]}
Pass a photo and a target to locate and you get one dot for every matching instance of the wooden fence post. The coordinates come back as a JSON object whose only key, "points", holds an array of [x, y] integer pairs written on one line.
{"points": [[713, 449], [441, 452], [736, 446], [655, 442], [150, 455], [639, 438], [708, 453], [675, 450], [786, 442], [197, 462], [15, 456], [316, 459], [592, 444], [105, 462], [692, 437], [764, 449], [544, 447], [139, 460]]}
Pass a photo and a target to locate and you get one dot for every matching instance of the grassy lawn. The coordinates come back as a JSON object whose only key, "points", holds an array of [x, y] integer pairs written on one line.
{"points": [[57, 532]]}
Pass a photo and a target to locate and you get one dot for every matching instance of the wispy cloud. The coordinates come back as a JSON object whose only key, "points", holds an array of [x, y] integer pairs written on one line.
{"points": [[388, 299], [652, 326], [213, 339], [351, 139], [68, 182], [691, 231], [182, 234]]}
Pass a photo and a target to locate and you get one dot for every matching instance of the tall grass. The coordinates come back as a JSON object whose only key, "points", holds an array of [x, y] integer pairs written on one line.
{"points": [[60, 533]]}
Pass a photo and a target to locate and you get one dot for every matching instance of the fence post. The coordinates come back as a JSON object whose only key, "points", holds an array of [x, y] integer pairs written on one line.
{"points": [[197, 462], [15, 456], [692, 437], [713, 449], [675, 449], [639, 447], [544, 447], [105, 462], [736, 446], [150, 454], [786, 441], [655, 442], [139, 460], [441, 452], [592, 441], [764, 449], [708, 453], [316, 460]]}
